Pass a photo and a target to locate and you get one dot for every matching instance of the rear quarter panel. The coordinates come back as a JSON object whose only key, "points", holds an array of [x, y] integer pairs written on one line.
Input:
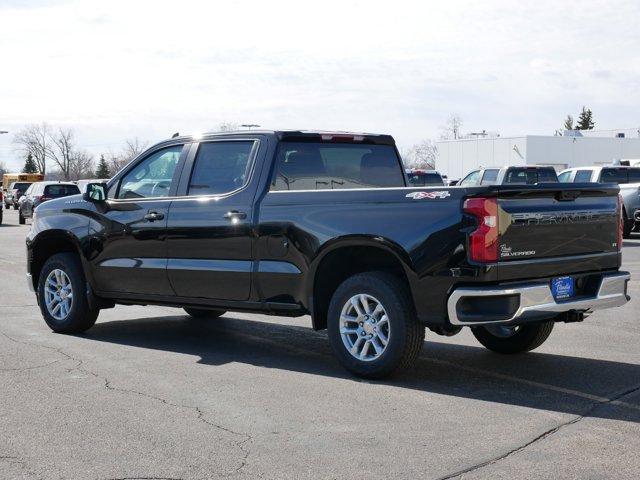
{"points": [[425, 232]]}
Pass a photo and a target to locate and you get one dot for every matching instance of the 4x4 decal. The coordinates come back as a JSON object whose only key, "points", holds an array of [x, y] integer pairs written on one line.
{"points": [[422, 195]]}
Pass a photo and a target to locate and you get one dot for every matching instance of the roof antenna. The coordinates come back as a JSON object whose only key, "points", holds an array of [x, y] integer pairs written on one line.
{"points": [[177, 134]]}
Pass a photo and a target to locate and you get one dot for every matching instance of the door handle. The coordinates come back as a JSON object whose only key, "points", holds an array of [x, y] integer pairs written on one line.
{"points": [[153, 216], [235, 215]]}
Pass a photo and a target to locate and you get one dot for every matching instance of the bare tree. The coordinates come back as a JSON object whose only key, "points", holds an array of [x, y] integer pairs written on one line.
{"points": [[81, 165], [132, 148], [421, 155], [35, 140], [227, 127], [61, 150], [451, 129], [3, 168]]}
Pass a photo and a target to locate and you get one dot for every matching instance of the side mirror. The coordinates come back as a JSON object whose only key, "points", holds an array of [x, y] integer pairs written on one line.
{"points": [[95, 192]]}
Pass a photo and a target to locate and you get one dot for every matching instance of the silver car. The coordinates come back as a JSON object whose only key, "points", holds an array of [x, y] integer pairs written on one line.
{"points": [[628, 178]]}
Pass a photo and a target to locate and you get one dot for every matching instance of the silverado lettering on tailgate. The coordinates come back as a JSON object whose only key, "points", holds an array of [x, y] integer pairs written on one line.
{"points": [[573, 217]]}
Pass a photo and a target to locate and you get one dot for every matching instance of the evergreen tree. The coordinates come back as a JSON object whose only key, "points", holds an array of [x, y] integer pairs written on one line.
{"points": [[30, 165], [585, 120], [103, 169], [568, 123]]}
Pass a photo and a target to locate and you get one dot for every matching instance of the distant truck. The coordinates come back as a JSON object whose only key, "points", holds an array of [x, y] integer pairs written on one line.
{"points": [[9, 178], [628, 178], [424, 178], [530, 175]]}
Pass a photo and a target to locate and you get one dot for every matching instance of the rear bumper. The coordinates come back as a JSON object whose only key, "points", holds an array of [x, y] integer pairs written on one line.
{"points": [[529, 301]]}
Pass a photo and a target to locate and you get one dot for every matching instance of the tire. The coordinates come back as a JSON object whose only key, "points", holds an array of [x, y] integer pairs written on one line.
{"points": [[626, 229], [204, 313], [525, 338], [79, 316], [15, 206], [404, 334], [1, 213], [21, 219]]}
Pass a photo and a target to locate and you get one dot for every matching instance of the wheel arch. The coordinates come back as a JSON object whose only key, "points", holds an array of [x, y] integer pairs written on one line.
{"points": [[347, 256], [49, 243]]}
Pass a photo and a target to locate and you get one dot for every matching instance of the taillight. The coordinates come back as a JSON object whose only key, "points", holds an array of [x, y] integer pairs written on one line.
{"points": [[620, 222], [483, 241], [42, 198]]}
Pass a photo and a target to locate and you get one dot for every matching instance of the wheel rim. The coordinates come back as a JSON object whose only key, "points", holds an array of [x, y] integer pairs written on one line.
{"points": [[365, 327], [58, 294], [502, 331]]}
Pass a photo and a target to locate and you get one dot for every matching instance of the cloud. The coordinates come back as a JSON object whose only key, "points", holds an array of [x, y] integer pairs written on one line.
{"points": [[120, 68]]}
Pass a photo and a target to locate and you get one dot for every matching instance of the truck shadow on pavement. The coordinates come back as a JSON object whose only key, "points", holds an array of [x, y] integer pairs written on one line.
{"points": [[559, 383]]}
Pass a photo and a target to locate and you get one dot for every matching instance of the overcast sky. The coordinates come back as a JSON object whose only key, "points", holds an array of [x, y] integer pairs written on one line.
{"points": [[117, 69]]}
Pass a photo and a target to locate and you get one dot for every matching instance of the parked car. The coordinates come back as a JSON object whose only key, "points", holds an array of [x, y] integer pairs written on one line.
{"points": [[293, 223], [14, 192], [627, 178], [40, 192], [424, 178], [529, 175]]}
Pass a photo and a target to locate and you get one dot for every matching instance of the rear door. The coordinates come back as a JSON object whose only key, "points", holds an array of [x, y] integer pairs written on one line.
{"points": [[210, 225]]}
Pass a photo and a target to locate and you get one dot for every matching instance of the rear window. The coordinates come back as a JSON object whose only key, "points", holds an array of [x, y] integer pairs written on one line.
{"points": [[21, 187], [424, 179], [60, 190], [530, 176], [325, 166]]}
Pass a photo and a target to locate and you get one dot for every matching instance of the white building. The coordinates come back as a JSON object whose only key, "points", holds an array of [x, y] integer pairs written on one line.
{"points": [[456, 158]]}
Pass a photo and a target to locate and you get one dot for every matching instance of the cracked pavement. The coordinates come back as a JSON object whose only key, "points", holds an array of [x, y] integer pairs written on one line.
{"points": [[150, 393]]}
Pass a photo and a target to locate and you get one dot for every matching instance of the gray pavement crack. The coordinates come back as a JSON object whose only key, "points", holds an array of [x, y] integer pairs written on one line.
{"points": [[594, 406], [241, 445]]}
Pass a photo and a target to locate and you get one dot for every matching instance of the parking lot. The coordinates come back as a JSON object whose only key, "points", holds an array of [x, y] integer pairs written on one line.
{"points": [[152, 393]]}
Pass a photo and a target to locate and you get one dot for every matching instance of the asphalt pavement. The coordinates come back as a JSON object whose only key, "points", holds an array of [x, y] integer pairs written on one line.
{"points": [[150, 393]]}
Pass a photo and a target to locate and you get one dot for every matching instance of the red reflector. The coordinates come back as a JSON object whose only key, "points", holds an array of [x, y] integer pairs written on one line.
{"points": [[483, 242]]}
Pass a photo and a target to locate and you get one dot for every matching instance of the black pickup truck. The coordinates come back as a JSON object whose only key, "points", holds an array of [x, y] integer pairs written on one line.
{"points": [[293, 223]]}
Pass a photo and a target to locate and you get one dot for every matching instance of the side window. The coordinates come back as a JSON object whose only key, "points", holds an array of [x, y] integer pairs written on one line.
{"points": [[471, 179], [564, 176], [490, 176], [416, 180], [582, 176], [327, 166], [220, 167], [151, 177]]}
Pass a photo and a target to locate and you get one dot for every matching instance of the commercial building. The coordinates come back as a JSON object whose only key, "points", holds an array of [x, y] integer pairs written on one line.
{"points": [[457, 157]]}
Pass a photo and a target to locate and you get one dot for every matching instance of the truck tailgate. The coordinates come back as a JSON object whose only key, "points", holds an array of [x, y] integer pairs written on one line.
{"points": [[554, 229]]}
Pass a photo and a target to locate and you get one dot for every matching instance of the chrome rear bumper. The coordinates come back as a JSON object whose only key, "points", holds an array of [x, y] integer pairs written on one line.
{"points": [[535, 300]]}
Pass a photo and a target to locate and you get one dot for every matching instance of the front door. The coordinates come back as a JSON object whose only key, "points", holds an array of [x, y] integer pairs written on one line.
{"points": [[130, 230], [210, 224]]}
